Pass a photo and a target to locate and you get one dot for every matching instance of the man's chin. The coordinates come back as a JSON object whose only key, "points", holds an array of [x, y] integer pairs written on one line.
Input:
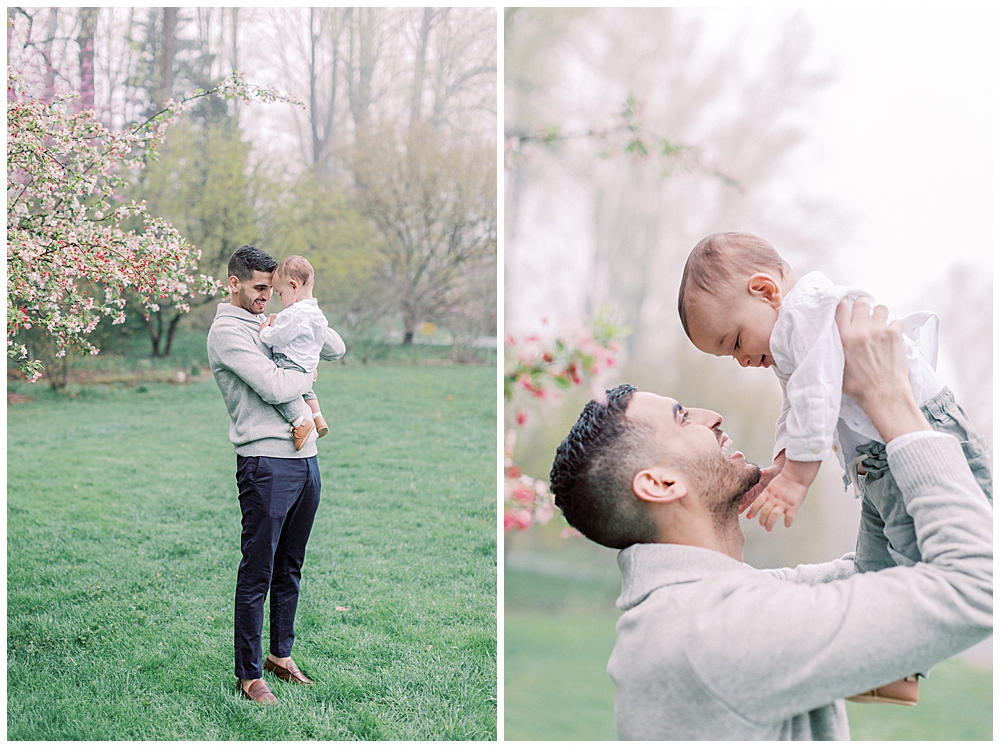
{"points": [[751, 479]]}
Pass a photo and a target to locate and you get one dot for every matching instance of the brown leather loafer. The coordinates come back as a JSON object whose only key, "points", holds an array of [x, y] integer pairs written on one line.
{"points": [[905, 692], [301, 432], [291, 673], [259, 692], [321, 428]]}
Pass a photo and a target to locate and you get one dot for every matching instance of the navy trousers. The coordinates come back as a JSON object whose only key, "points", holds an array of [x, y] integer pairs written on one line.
{"points": [[278, 499]]}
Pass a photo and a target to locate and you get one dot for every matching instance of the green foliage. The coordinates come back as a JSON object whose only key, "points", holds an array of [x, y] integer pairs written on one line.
{"points": [[123, 543], [317, 220], [200, 183]]}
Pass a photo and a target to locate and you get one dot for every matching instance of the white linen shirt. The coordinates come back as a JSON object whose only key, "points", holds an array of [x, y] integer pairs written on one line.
{"points": [[817, 418], [299, 332]]}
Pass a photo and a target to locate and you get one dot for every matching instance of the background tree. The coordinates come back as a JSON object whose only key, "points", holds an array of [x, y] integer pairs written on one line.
{"points": [[286, 178], [434, 209], [65, 175]]}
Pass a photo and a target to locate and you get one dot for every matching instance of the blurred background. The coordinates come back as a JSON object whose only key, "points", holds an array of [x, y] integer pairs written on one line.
{"points": [[397, 111], [858, 144]]}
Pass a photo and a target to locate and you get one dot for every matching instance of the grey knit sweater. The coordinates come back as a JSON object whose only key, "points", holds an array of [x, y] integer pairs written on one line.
{"points": [[709, 648], [251, 384]]}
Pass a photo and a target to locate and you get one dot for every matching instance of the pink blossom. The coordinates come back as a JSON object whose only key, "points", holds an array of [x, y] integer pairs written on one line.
{"points": [[516, 518], [522, 417], [55, 251], [544, 512], [522, 493]]}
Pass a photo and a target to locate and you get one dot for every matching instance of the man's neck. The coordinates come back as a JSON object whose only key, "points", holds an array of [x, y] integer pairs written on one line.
{"points": [[730, 539], [722, 534]]}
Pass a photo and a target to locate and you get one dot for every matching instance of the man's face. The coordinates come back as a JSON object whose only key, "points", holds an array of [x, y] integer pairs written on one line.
{"points": [[693, 438], [251, 294]]}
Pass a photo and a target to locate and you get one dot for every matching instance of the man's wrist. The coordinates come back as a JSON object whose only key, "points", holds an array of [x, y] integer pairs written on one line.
{"points": [[893, 417]]}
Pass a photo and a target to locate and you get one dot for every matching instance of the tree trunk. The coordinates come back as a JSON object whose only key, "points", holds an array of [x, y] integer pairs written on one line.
{"points": [[314, 124], [85, 39], [235, 13], [50, 71], [170, 334], [417, 93], [166, 50], [359, 79], [409, 323], [155, 330]]}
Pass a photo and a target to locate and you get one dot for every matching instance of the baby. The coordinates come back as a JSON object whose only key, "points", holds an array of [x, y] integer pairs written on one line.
{"points": [[739, 298], [296, 336]]}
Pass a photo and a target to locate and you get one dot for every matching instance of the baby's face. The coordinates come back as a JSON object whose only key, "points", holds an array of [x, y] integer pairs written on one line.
{"points": [[737, 325], [283, 288]]}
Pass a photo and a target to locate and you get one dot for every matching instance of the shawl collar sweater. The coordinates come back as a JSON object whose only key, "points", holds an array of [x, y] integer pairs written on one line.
{"points": [[709, 648], [251, 384]]}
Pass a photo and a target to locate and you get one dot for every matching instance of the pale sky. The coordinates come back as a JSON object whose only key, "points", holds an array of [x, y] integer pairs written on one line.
{"points": [[903, 139]]}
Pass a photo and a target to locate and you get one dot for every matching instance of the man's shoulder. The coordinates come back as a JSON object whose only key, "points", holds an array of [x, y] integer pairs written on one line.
{"points": [[232, 329]]}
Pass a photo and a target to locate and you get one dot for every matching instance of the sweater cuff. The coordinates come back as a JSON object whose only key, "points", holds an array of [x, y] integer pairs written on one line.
{"points": [[901, 441], [924, 464]]}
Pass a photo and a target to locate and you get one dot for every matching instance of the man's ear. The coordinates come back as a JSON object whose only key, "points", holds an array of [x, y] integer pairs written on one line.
{"points": [[764, 286], [234, 284], [658, 485]]}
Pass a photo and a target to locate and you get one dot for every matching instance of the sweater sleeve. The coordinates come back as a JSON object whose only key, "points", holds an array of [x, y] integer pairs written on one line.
{"points": [[237, 351], [780, 649], [334, 347]]}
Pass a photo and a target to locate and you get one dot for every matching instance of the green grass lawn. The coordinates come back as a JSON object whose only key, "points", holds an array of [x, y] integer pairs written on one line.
{"points": [[559, 633], [123, 541]]}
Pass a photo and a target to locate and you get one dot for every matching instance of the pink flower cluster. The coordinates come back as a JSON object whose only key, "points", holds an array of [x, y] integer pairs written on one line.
{"points": [[526, 500], [535, 373], [74, 246]]}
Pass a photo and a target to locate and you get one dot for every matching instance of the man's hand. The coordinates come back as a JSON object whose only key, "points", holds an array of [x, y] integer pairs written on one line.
{"points": [[875, 370], [269, 322], [783, 496], [766, 476]]}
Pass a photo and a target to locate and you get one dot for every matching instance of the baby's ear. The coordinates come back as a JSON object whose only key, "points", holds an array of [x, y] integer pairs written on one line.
{"points": [[764, 286]]}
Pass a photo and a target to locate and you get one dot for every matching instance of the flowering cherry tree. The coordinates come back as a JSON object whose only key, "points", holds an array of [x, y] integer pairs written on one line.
{"points": [[74, 245], [536, 372]]}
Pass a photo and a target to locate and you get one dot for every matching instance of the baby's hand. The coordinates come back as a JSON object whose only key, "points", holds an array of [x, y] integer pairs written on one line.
{"points": [[783, 496], [269, 322], [766, 476]]}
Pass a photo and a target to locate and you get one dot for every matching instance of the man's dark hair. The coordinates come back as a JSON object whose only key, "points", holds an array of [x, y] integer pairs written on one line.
{"points": [[246, 259], [592, 473]]}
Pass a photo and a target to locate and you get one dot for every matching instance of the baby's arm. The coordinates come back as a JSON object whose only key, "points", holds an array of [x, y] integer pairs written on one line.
{"points": [[785, 493]]}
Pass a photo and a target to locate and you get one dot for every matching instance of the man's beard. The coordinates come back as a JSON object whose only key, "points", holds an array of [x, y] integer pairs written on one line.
{"points": [[246, 300], [722, 482]]}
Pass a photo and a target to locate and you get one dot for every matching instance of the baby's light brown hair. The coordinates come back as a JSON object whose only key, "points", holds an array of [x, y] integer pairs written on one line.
{"points": [[297, 267], [721, 258]]}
